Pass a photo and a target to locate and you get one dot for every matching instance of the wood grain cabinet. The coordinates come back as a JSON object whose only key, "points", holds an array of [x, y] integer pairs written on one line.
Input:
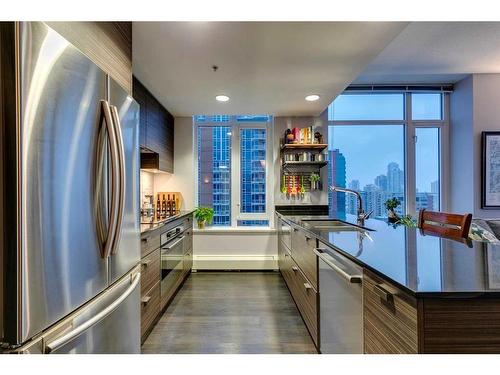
{"points": [[396, 322], [389, 318], [156, 131]]}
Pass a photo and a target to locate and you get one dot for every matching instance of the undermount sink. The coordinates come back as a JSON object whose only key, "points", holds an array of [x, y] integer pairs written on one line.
{"points": [[332, 224]]}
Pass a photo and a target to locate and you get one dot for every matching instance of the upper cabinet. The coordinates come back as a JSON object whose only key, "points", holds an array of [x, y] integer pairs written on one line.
{"points": [[156, 131], [107, 44]]}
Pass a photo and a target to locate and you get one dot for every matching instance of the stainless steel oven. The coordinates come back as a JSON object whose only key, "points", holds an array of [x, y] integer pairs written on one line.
{"points": [[172, 253]]}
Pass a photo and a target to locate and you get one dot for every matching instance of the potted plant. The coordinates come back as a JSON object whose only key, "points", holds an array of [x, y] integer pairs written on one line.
{"points": [[204, 215], [314, 178], [391, 205]]}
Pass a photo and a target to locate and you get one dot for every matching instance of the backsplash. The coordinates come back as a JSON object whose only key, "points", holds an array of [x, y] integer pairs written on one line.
{"points": [[147, 186]]}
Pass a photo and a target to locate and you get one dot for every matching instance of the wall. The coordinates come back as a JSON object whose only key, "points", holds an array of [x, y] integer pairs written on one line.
{"points": [[107, 44], [235, 249], [474, 108], [461, 148], [280, 125]]}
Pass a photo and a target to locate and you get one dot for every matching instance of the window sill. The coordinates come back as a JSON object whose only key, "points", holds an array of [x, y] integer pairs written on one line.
{"points": [[234, 230]]}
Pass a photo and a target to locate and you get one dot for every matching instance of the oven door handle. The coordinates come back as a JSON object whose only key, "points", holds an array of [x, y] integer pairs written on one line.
{"points": [[170, 245]]}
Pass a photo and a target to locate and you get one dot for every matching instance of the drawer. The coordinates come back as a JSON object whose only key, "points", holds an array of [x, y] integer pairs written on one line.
{"points": [[150, 270], [149, 241], [389, 318], [284, 232], [306, 298], [150, 309], [303, 254], [286, 268]]}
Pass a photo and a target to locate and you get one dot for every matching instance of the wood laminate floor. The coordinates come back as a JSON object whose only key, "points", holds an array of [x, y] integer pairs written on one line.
{"points": [[231, 312]]}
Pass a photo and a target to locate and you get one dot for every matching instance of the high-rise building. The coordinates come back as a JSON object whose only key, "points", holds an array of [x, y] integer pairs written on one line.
{"points": [[395, 178], [214, 171], [381, 182], [337, 177], [350, 199], [253, 170], [354, 185], [435, 195]]}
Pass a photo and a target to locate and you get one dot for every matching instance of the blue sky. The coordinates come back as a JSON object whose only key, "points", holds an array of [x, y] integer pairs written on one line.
{"points": [[369, 148]]}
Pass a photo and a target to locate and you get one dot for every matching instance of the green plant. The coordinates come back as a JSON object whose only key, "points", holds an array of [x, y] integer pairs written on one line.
{"points": [[407, 221], [314, 177], [392, 203], [204, 214]]}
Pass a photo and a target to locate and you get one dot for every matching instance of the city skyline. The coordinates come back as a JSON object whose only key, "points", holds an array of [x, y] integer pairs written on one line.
{"points": [[375, 194]]}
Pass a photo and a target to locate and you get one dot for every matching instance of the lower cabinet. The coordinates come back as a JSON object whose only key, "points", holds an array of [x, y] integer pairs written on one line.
{"points": [[153, 299], [390, 318], [150, 309], [302, 290]]}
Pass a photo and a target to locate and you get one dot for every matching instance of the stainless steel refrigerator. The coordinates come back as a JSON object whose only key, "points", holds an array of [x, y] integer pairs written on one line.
{"points": [[70, 245]]}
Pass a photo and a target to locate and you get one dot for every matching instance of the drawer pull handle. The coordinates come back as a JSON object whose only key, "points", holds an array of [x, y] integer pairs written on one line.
{"points": [[307, 286], [307, 238], [295, 229], [295, 268], [145, 240], [145, 299], [384, 294], [145, 263]]}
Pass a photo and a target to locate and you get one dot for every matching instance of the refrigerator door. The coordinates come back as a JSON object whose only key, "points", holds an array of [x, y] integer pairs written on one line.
{"points": [[108, 325], [60, 262], [126, 252]]}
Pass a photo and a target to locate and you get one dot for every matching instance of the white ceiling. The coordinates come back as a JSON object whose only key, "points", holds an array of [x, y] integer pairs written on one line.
{"points": [[265, 67], [437, 52]]}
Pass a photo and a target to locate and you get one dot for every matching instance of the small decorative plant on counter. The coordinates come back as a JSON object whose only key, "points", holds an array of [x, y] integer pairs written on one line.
{"points": [[391, 205], [204, 215], [407, 221], [314, 178]]}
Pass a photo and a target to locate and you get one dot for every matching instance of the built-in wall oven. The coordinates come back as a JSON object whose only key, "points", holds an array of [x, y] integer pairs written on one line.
{"points": [[172, 253]]}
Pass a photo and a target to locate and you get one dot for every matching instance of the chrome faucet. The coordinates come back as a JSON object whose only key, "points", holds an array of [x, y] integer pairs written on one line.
{"points": [[362, 215]]}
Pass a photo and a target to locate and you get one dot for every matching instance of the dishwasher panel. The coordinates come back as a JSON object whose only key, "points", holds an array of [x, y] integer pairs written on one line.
{"points": [[341, 310]]}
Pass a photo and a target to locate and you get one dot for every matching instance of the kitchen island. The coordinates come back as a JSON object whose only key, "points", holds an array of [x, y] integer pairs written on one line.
{"points": [[420, 293]]}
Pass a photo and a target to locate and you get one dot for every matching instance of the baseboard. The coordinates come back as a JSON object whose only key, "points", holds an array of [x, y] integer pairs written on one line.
{"points": [[234, 262]]}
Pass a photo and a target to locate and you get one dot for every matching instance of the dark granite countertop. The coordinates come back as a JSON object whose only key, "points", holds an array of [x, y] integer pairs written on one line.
{"points": [[158, 224], [423, 265]]}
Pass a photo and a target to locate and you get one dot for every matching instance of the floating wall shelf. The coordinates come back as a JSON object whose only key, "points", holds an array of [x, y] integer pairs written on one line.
{"points": [[301, 146]]}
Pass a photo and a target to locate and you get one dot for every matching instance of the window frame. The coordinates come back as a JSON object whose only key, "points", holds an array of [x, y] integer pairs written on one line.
{"points": [[236, 126], [409, 126]]}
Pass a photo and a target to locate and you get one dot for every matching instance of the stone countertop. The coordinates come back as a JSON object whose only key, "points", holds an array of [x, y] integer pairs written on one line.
{"points": [[423, 265], [158, 224]]}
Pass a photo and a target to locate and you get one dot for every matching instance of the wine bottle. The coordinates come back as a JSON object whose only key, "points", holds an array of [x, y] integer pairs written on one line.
{"points": [[158, 208], [163, 207], [174, 205], [169, 206]]}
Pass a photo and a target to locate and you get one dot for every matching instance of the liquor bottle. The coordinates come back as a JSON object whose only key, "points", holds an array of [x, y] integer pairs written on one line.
{"points": [[174, 205], [169, 206], [164, 207], [158, 208]]}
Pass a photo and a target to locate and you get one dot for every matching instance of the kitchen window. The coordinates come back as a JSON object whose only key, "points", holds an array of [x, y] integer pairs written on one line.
{"points": [[388, 145], [233, 155]]}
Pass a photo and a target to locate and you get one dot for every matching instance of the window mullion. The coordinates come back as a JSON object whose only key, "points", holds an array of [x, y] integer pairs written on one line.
{"points": [[410, 175], [235, 174]]}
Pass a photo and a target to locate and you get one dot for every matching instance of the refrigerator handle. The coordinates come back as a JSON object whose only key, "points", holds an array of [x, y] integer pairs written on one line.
{"points": [[121, 164], [112, 225], [62, 340]]}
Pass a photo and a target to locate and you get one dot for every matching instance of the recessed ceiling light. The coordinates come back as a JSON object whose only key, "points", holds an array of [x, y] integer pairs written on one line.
{"points": [[222, 98], [312, 98]]}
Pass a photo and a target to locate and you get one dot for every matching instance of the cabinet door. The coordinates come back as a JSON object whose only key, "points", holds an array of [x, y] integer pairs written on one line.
{"points": [[303, 246], [389, 318], [139, 94]]}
